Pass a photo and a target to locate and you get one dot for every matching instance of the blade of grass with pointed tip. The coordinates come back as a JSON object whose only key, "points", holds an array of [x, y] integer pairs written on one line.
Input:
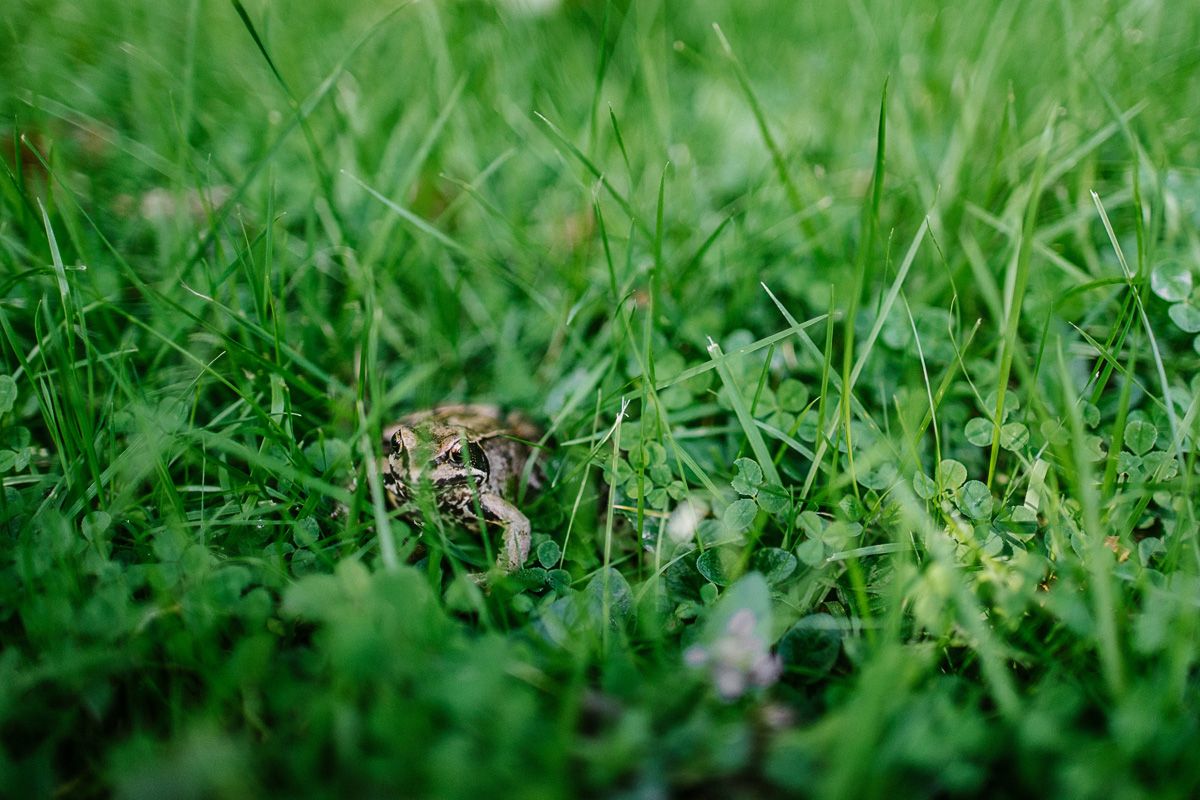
{"points": [[745, 418], [866, 252], [579, 155], [764, 129], [1016, 300]]}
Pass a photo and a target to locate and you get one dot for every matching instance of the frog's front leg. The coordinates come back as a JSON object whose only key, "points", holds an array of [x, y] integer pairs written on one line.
{"points": [[516, 530]]}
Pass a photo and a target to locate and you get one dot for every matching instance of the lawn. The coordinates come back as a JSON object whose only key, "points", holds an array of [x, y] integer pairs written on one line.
{"points": [[862, 339]]}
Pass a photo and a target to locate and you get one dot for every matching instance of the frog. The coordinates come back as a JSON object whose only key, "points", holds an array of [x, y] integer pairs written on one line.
{"points": [[474, 457]]}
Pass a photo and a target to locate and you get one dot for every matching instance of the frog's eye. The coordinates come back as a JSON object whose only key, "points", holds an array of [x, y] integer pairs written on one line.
{"points": [[474, 453]]}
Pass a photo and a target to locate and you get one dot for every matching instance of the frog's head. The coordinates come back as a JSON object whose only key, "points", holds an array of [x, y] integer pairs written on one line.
{"points": [[445, 455]]}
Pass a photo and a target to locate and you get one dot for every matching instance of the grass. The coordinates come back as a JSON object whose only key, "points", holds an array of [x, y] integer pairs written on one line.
{"points": [[864, 339]]}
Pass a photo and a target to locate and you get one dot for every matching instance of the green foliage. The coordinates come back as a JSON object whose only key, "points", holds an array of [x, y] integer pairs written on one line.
{"points": [[872, 417]]}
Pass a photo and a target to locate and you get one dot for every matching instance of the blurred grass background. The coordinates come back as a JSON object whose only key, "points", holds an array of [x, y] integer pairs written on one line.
{"points": [[248, 255]]}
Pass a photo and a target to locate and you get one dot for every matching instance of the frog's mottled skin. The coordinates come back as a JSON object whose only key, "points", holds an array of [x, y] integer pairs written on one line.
{"points": [[429, 446]]}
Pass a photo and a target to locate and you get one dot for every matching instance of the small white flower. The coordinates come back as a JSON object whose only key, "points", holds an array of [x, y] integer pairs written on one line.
{"points": [[684, 519], [738, 660]]}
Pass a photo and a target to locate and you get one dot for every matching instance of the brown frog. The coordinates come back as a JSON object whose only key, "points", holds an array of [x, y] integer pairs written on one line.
{"points": [[473, 457]]}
